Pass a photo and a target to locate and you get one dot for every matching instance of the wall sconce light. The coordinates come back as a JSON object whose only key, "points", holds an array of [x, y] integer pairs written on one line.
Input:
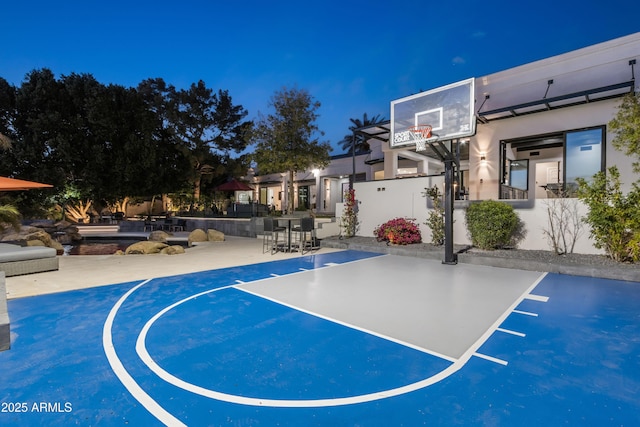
{"points": [[483, 157]]}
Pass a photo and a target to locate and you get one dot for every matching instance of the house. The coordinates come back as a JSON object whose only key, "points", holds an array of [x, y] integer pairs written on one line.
{"points": [[538, 127], [520, 135]]}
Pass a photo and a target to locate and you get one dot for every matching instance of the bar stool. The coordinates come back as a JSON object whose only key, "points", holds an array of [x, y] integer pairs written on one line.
{"points": [[270, 235], [306, 227]]}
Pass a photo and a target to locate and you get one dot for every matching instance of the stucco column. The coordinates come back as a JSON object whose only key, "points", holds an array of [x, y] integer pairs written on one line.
{"points": [[390, 164], [423, 167]]}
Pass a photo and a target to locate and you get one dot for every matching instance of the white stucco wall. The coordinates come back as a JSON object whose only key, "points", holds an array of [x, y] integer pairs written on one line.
{"points": [[488, 137], [381, 201]]}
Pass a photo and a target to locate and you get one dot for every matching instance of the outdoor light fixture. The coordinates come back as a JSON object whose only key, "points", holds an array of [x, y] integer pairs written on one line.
{"points": [[483, 157]]}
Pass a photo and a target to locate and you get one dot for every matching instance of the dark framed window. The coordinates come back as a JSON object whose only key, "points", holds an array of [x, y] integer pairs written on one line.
{"points": [[584, 156], [548, 165]]}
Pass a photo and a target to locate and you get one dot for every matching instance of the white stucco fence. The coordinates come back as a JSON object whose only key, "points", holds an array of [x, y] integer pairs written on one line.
{"points": [[380, 201]]}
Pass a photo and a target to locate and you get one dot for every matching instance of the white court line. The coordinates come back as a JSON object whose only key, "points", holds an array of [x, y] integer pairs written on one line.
{"points": [[491, 359], [159, 412], [540, 298], [123, 375], [240, 282], [274, 275], [146, 358], [509, 331], [473, 349], [349, 325], [526, 313], [121, 372]]}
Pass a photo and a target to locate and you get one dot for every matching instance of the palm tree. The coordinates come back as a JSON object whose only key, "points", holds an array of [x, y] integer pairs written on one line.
{"points": [[361, 143], [9, 214]]}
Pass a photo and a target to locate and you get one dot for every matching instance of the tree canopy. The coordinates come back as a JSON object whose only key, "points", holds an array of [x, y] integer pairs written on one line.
{"points": [[288, 139], [626, 126], [109, 142]]}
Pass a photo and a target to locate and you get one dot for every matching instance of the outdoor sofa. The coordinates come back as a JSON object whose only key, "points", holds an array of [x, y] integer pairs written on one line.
{"points": [[5, 338], [16, 260]]}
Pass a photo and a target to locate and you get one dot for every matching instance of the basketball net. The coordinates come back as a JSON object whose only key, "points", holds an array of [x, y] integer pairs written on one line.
{"points": [[421, 134]]}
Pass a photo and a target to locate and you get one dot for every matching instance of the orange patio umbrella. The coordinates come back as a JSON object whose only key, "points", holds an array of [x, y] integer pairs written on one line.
{"points": [[12, 184]]}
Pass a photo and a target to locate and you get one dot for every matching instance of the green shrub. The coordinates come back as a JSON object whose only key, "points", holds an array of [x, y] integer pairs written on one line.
{"points": [[435, 220], [613, 218], [493, 225]]}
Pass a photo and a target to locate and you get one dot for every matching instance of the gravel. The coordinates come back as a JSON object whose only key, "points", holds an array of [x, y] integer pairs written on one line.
{"points": [[536, 260]]}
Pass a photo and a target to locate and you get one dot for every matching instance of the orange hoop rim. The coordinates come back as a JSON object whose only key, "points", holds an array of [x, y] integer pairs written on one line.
{"points": [[423, 131]]}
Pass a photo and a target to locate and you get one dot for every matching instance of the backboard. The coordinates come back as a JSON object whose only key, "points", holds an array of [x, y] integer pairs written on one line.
{"points": [[448, 109]]}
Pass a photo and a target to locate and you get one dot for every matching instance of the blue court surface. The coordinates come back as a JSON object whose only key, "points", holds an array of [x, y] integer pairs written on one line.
{"points": [[339, 339]]}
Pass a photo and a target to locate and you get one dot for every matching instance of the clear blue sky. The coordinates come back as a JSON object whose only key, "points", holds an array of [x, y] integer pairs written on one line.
{"points": [[352, 56]]}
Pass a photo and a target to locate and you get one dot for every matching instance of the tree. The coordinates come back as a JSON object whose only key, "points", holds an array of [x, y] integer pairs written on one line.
{"points": [[37, 129], [288, 139], [39, 118], [173, 168], [361, 143], [7, 113], [211, 127], [626, 126]]}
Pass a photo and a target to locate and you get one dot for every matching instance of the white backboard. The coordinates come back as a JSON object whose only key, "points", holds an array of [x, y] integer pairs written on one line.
{"points": [[448, 109]]}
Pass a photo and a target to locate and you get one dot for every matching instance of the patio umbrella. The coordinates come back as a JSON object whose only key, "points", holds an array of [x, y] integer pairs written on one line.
{"points": [[234, 185], [12, 184]]}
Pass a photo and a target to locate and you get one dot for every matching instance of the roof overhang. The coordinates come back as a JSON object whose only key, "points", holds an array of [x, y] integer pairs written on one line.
{"points": [[554, 103]]}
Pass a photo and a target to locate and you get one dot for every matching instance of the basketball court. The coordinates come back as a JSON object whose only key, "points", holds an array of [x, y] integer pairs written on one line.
{"points": [[344, 338]]}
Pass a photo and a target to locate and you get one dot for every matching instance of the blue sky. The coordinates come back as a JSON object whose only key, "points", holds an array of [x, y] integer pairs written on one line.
{"points": [[352, 56]]}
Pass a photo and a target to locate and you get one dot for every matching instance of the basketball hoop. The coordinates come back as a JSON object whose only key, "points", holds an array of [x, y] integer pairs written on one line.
{"points": [[421, 134], [421, 131]]}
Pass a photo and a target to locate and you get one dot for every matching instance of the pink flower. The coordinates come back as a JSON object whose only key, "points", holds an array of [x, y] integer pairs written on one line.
{"points": [[400, 231]]}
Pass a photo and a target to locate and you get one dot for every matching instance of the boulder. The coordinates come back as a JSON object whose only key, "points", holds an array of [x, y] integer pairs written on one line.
{"points": [[11, 235], [27, 229], [57, 246], [27, 234], [145, 247], [215, 235], [41, 235], [159, 236], [197, 235], [172, 250], [42, 238]]}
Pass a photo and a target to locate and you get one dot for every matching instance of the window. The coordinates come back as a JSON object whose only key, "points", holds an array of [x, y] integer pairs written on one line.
{"points": [[303, 197], [583, 156], [542, 166]]}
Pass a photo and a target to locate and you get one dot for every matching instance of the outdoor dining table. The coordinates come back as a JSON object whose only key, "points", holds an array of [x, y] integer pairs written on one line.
{"points": [[290, 222]]}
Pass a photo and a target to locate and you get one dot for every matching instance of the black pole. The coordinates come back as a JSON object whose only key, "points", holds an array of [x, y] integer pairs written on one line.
{"points": [[352, 178], [449, 257]]}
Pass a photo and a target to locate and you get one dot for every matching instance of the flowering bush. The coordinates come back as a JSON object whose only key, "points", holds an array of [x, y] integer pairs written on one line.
{"points": [[399, 231], [349, 220]]}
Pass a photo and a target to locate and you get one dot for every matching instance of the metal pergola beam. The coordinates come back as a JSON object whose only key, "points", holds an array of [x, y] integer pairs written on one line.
{"points": [[512, 109]]}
